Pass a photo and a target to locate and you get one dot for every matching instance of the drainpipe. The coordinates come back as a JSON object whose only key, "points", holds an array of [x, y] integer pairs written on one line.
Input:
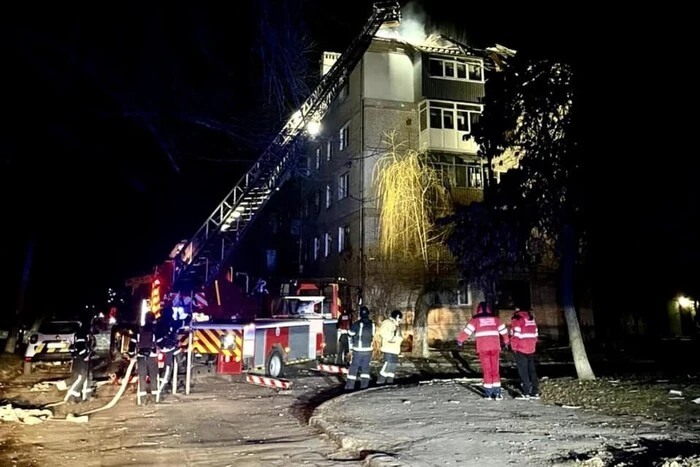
{"points": [[362, 179]]}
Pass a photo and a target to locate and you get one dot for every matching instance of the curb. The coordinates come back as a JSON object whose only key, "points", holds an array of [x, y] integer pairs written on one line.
{"points": [[347, 442]]}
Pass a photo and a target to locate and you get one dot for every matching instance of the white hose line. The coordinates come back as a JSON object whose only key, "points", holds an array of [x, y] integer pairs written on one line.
{"points": [[120, 393]]}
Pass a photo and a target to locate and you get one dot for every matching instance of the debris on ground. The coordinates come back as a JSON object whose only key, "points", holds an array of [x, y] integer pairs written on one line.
{"points": [[8, 413], [48, 385], [652, 399]]}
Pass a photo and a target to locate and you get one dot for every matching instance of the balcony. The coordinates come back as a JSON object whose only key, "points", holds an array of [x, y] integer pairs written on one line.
{"points": [[446, 126]]}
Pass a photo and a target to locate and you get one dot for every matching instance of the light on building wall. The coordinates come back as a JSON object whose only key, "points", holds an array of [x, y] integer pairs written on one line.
{"points": [[684, 302], [314, 128]]}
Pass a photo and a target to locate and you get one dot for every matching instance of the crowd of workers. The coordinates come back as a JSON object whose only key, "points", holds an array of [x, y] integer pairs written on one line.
{"points": [[489, 332], [355, 346]]}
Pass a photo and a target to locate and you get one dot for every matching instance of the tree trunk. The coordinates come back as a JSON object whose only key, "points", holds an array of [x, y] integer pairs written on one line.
{"points": [[11, 343], [578, 349], [420, 328]]}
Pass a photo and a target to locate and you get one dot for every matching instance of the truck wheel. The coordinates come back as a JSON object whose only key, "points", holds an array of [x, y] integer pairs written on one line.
{"points": [[274, 367], [27, 368]]}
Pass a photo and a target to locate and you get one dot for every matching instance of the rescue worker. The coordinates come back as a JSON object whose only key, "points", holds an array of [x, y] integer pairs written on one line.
{"points": [[81, 350], [147, 357], [343, 326], [390, 332], [523, 342], [488, 331], [168, 345], [362, 334]]}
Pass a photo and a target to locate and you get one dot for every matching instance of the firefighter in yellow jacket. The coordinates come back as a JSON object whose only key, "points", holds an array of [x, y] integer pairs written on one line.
{"points": [[390, 332]]}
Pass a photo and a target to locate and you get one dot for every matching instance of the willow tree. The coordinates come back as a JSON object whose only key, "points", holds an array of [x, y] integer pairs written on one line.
{"points": [[411, 197], [537, 107]]}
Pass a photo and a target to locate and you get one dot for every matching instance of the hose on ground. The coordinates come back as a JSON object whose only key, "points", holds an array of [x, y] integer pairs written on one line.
{"points": [[119, 394]]}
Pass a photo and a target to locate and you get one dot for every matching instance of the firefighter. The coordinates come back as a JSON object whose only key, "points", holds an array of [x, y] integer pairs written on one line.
{"points": [[81, 350], [166, 340], [147, 356], [362, 335], [488, 331], [390, 331], [523, 341], [343, 326]]}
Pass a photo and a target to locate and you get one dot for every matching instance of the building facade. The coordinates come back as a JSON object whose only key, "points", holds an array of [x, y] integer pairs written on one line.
{"points": [[428, 96]]}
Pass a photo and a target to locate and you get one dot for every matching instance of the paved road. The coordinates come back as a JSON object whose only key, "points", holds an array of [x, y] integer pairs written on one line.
{"points": [[221, 423]]}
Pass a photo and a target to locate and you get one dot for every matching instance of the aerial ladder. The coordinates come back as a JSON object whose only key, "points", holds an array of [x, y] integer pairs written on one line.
{"points": [[198, 261]]}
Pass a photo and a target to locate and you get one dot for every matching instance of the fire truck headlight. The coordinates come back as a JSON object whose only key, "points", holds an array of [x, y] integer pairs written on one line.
{"points": [[227, 342]]}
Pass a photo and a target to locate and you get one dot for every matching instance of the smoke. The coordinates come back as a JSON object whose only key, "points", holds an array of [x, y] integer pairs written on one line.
{"points": [[413, 23]]}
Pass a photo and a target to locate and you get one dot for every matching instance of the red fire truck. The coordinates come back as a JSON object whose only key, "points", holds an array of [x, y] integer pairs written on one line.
{"points": [[248, 332]]}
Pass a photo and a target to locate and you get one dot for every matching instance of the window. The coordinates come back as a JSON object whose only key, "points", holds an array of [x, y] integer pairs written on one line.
{"points": [[343, 238], [317, 201], [344, 137], [327, 244], [318, 158], [317, 247], [305, 208], [457, 172], [329, 196], [329, 150], [459, 296], [423, 117], [343, 185], [449, 116], [470, 69]]}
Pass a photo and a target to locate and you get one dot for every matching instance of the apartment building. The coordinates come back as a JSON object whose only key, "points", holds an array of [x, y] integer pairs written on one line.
{"points": [[429, 95]]}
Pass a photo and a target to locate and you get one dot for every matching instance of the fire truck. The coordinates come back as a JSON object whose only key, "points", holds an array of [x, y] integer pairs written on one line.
{"points": [[197, 279]]}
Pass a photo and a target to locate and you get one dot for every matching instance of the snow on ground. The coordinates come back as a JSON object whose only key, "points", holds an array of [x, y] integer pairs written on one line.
{"points": [[450, 424]]}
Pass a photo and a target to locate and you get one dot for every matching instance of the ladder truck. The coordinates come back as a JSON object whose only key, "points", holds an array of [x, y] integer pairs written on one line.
{"points": [[199, 263]]}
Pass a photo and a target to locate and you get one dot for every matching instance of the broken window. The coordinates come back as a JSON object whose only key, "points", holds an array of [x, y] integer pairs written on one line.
{"points": [[449, 69], [436, 67], [476, 72], [472, 70], [461, 71]]}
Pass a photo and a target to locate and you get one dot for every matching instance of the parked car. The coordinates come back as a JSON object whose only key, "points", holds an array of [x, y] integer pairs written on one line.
{"points": [[51, 343]]}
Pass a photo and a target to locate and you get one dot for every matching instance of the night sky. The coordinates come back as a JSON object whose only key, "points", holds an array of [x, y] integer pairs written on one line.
{"points": [[107, 164]]}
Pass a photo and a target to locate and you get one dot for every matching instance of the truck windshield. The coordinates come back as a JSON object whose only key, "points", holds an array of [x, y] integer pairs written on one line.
{"points": [[58, 328]]}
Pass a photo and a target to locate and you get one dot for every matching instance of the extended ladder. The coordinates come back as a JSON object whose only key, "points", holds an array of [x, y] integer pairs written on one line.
{"points": [[200, 259]]}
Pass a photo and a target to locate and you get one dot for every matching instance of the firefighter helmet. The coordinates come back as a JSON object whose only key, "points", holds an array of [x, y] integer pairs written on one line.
{"points": [[364, 312]]}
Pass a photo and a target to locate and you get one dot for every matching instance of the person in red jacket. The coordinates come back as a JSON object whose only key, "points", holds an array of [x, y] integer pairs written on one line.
{"points": [[523, 330], [488, 331]]}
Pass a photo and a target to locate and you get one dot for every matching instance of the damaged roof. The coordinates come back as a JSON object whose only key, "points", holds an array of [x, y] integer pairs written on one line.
{"points": [[495, 57]]}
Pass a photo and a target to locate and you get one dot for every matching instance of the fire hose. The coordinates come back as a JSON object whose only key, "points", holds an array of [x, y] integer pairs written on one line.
{"points": [[119, 394]]}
